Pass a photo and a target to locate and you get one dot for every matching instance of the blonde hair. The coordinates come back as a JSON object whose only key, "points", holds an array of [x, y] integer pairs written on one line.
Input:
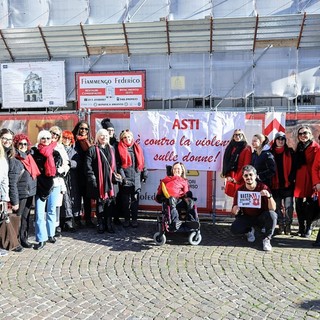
{"points": [[243, 138], [124, 132], [58, 130]]}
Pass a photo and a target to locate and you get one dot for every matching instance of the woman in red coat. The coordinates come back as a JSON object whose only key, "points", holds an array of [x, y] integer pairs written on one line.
{"points": [[176, 193], [236, 156], [305, 155], [316, 184]]}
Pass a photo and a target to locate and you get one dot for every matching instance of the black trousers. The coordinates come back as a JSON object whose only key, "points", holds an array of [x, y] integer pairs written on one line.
{"points": [[24, 212], [129, 203]]}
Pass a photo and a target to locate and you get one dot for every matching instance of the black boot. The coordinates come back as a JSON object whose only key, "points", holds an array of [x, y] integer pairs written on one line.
{"points": [[100, 223], [68, 225], [77, 222], [109, 227], [287, 229]]}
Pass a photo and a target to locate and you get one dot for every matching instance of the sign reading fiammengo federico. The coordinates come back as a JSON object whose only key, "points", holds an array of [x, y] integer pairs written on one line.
{"points": [[111, 90], [33, 85]]}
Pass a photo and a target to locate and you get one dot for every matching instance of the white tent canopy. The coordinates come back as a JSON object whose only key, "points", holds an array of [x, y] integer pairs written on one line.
{"points": [[227, 49]]}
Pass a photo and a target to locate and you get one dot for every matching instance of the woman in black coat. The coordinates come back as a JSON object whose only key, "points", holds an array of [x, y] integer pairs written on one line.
{"points": [[71, 205], [6, 136], [263, 159], [83, 140], [25, 188], [133, 172], [100, 164]]}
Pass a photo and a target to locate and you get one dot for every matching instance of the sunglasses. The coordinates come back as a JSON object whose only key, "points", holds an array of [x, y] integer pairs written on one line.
{"points": [[22, 144], [281, 138], [46, 138], [237, 135], [6, 139], [304, 133], [83, 128], [55, 134], [246, 175]]}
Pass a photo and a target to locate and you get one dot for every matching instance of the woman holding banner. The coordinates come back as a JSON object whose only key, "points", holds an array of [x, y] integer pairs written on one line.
{"points": [[237, 155]]}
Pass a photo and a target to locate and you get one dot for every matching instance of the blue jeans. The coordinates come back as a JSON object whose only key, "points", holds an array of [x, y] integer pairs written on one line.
{"points": [[45, 223]]}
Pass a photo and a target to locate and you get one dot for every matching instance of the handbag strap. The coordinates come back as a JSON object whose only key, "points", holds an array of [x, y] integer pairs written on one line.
{"points": [[104, 156]]}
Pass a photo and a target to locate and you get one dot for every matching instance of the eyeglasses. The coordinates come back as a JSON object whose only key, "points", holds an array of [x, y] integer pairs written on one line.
{"points": [[4, 139], [304, 133], [84, 128], [55, 134], [23, 144], [46, 138], [246, 175]]}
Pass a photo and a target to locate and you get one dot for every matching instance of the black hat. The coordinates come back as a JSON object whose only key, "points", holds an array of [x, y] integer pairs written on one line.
{"points": [[106, 123], [280, 134]]}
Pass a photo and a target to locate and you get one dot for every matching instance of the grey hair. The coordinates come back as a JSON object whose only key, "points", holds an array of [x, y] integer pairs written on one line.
{"points": [[249, 167], [102, 132], [43, 134]]}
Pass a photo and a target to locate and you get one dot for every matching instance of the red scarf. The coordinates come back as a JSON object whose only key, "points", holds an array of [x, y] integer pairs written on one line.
{"points": [[104, 168], [83, 142], [30, 165], [287, 163], [125, 156], [50, 169]]}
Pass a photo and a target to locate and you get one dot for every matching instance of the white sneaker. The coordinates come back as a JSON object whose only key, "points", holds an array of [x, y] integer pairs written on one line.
{"points": [[266, 244], [3, 252], [250, 235]]}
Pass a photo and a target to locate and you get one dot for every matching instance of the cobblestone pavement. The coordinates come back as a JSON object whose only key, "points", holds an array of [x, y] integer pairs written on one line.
{"points": [[124, 275]]}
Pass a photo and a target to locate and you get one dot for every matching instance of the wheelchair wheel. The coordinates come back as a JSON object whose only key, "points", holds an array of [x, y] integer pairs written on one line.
{"points": [[159, 238], [195, 238]]}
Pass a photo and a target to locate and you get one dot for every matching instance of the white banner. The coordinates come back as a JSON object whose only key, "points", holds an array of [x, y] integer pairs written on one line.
{"points": [[195, 138]]}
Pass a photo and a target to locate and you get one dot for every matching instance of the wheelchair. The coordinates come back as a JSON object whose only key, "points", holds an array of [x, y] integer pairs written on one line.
{"points": [[189, 224]]}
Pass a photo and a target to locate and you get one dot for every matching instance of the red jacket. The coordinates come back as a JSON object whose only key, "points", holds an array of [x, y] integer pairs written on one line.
{"points": [[304, 180], [176, 186], [244, 159]]}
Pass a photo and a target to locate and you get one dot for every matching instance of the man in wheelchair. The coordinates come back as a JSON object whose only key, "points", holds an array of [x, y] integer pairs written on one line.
{"points": [[174, 191]]}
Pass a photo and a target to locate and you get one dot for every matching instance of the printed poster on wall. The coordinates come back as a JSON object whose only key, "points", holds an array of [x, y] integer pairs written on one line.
{"points": [[33, 85], [111, 90]]}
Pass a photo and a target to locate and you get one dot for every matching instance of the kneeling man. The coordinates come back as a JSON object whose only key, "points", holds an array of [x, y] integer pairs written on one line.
{"points": [[258, 208]]}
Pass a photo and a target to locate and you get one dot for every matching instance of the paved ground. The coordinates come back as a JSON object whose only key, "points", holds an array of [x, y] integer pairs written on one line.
{"points": [[126, 276]]}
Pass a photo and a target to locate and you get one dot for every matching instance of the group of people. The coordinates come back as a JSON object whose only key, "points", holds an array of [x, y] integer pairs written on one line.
{"points": [[288, 180], [66, 170], [61, 174]]}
